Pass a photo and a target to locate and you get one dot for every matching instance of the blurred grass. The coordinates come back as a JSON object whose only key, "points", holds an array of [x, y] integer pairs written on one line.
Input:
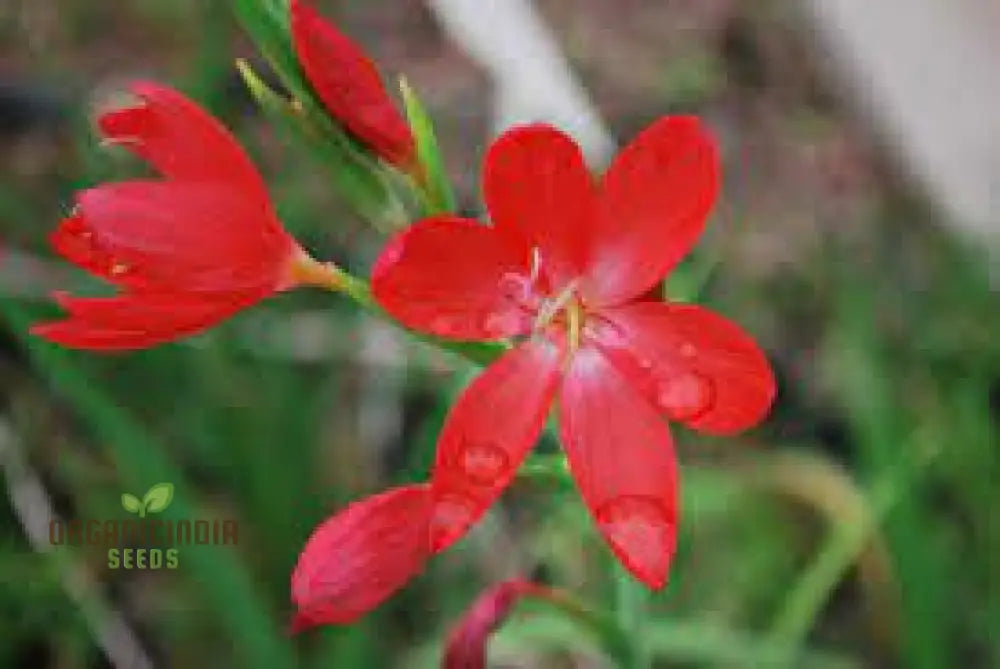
{"points": [[888, 357]]}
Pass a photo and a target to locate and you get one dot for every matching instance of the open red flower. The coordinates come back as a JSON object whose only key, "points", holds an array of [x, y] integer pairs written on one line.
{"points": [[349, 85], [185, 252], [564, 265]]}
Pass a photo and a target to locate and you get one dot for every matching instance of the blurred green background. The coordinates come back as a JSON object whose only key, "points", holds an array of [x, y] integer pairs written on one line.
{"points": [[853, 529]]}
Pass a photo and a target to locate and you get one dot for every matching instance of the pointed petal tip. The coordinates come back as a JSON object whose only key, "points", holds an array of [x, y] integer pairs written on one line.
{"points": [[359, 557]]}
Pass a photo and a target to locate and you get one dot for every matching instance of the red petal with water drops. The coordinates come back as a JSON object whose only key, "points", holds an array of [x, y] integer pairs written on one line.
{"points": [[349, 85], [696, 366], [487, 434], [455, 278], [622, 457], [359, 557], [655, 199], [466, 646], [182, 141], [537, 189]]}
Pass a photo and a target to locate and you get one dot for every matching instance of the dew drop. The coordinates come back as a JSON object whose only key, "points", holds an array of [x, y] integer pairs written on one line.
{"points": [[639, 527], [451, 515], [514, 286], [688, 350], [685, 395], [117, 269], [501, 324], [483, 462]]}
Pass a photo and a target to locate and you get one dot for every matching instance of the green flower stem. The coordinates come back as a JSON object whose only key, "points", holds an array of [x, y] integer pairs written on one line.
{"points": [[846, 541], [329, 276], [600, 624], [630, 609]]}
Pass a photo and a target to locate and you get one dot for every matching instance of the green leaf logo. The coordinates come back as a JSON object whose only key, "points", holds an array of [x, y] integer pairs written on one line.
{"points": [[155, 500], [131, 503]]}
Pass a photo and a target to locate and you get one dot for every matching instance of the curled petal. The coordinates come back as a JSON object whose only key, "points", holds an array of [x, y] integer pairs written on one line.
{"points": [[128, 322], [622, 458], [359, 557], [182, 141], [655, 199], [455, 278], [466, 647], [349, 85], [694, 365], [487, 434], [539, 192]]}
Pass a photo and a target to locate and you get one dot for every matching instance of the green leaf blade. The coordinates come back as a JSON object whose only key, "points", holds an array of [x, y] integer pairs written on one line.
{"points": [[439, 196], [357, 177]]}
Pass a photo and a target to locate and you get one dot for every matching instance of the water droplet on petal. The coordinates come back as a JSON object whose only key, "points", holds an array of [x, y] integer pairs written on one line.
{"points": [[642, 531], [483, 462], [450, 516], [688, 350], [514, 286], [685, 395], [501, 324], [117, 269]]}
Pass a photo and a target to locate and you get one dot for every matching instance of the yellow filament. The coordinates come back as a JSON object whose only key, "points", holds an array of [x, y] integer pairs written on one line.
{"points": [[574, 321]]}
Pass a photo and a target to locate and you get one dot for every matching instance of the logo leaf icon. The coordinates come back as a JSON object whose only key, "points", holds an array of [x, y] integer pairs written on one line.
{"points": [[158, 498], [131, 503]]}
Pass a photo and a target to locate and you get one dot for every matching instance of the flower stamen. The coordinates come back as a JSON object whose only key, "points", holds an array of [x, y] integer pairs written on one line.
{"points": [[550, 308]]}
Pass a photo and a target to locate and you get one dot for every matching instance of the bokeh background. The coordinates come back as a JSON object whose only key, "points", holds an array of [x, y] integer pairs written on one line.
{"points": [[857, 527]]}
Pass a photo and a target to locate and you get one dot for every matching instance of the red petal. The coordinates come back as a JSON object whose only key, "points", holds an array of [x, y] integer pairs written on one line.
{"points": [[183, 141], [195, 236], [491, 428], [128, 322], [622, 457], [359, 557], [655, 199], [695, 365], [466, 647], [454, 278], [538, 190], [349, 85]]}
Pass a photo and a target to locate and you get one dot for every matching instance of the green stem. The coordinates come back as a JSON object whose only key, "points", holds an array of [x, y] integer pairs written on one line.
{"points": [[331, 277], [845, 543], [630, 610], [601, 624]]}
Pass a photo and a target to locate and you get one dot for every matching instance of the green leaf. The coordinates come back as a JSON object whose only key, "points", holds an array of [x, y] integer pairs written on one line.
{"points": [[357, 177], [242, 611], [158, 497], [131, 503], [438, 196], [266, 21]]}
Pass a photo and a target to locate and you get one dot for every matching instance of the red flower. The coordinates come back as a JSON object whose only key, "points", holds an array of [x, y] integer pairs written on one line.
{"points": [[563, 265], [185, 252], [466, 647], [348, 83]]}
